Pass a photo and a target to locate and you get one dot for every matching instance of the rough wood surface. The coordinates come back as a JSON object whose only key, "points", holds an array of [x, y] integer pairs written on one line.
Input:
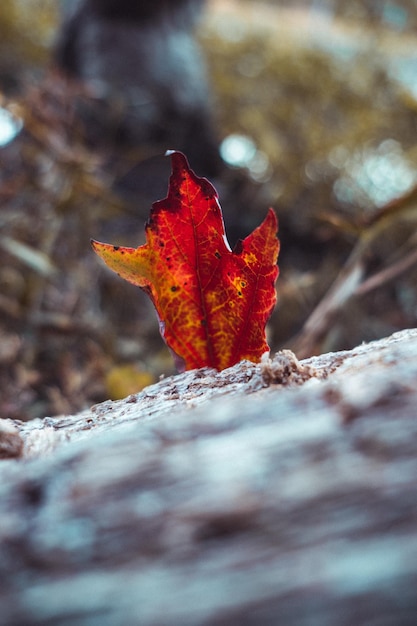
{"points": [[278, 493]]}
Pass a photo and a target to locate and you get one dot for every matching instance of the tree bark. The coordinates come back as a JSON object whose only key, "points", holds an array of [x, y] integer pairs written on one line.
{"points": [[277, 493]]}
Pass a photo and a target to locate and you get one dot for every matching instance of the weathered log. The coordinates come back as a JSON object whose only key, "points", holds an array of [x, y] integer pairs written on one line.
{"points": [[278, 493]]}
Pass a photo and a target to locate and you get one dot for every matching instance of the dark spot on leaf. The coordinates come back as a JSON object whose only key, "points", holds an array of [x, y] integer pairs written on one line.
{"points": [[217, 255], [116, 248], [161, 244], [174, 288], [203, 322], [206, 188], [243, 283], [239, 293]]}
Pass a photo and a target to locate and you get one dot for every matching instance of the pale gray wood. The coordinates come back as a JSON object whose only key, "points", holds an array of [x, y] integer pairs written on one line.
{"points": [[280, 493]]}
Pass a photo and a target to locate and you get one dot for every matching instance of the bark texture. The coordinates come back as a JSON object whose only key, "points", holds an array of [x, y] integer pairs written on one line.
{"points": [[278, 493]]}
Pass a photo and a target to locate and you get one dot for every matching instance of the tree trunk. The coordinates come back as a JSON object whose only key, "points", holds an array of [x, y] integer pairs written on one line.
{"points": [[283, 493]]}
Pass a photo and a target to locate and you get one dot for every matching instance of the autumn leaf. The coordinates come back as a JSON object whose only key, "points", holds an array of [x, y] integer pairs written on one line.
{"points": [[213, 303]]}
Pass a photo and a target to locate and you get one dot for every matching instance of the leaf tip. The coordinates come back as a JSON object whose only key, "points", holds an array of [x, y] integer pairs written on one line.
{"points": [[272, 216], [97, 246], [178, 160]]}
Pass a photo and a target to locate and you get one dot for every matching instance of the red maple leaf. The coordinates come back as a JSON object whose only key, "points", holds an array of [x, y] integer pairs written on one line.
{"points": [[213, 303]]}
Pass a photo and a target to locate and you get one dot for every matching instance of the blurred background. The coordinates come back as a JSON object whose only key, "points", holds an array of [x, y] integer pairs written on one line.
{"points": [[308, 106]]}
